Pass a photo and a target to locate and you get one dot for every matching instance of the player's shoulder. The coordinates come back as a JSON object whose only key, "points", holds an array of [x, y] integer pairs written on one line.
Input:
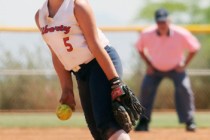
{"points": [[43, 6], [82, 7], [80, 3], [181, 31]]}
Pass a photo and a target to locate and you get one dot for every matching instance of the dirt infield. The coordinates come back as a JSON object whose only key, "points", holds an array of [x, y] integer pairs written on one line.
{"points": [[83, 134]]}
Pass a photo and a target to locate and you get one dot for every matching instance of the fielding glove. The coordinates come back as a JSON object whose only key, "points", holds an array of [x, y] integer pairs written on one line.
{"points": [[126, 107]]}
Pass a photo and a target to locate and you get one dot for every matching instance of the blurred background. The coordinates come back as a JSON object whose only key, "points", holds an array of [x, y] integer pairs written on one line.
{"points": [[28, 82], [27, 78]]}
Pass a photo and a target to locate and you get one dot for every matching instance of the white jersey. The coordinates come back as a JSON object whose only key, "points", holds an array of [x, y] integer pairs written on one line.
{"points": [[63, 34]]}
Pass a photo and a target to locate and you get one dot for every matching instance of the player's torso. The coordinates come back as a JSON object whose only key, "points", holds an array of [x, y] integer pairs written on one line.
{"points": [[63, 34]]}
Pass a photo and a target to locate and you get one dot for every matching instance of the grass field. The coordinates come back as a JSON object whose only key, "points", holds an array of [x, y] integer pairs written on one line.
{"points": [[46, 126], [49, 120]]}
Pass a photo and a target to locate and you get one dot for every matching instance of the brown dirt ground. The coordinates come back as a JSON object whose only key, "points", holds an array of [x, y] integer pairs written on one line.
{"points": [[83, 134]]}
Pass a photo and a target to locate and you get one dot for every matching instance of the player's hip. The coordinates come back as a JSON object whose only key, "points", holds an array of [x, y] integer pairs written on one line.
{"points": [[86, 69]]}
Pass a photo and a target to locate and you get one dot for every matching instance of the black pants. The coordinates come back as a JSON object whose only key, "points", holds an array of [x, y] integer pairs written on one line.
{"points": [[95, 95]]}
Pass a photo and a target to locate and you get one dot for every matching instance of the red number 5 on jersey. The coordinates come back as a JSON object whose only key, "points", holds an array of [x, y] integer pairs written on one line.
{"points": [[68, 46]]}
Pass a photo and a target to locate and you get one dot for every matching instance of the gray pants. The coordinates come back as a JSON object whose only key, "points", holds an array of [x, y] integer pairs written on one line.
{"points": [[184, 99]]}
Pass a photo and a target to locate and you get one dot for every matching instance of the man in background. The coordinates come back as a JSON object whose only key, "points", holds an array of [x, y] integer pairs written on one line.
{"points": [[162, 47]]}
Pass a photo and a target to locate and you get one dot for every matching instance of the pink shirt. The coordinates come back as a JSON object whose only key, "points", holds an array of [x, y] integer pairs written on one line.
{"points": [[166, 52]]}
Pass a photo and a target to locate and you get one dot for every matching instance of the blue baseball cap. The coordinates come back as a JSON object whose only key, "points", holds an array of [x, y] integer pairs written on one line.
{"points": [[161, 15]]}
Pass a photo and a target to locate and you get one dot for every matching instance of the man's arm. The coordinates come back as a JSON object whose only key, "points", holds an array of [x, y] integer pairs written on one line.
{"points": [[64, 76], [140, 45], [181, 67], [150, 68], [189, 57], [143, 56], [192, 44]]}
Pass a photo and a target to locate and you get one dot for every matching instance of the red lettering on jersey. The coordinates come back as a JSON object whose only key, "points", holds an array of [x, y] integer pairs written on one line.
{"points": [[66, 29], [46, 29], [52, 29]]}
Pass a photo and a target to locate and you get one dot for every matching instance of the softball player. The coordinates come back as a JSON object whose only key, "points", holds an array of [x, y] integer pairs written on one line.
{"points": [[79, 47]]}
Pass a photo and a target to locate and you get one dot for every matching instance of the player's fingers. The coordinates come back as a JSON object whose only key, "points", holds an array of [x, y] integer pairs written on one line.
{"points": [[73, 107], [68, 99]]}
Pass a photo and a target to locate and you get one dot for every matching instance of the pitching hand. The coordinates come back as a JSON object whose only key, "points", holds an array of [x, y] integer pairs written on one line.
{"points": [[68, 99]]}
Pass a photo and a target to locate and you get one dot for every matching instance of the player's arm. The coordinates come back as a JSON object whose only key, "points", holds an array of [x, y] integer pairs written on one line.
{"points": [[65, 77], [86, 20], [66, 82]]}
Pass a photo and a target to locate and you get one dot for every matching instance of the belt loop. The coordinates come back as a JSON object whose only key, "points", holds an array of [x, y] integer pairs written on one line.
{"points": [[76, 69]]}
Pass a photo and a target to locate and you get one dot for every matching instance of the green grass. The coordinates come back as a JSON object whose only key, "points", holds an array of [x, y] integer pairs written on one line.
{"points": [[27, 120], [49, 120], [170, 120]]}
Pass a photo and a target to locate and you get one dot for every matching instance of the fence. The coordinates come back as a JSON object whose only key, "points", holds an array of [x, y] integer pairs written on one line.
{"points": [[28, 81]]}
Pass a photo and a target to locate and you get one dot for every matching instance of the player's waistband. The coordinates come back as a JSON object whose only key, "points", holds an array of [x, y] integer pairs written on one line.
{"points": [[79, 67], [82, 66]]}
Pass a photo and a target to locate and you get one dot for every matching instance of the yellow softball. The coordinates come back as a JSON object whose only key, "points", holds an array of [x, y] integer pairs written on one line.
{"points": [[63, 112]]}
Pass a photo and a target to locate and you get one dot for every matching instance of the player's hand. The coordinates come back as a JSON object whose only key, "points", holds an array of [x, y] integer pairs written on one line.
{"points": [[150, 70], [180, 68], [67, 98]]}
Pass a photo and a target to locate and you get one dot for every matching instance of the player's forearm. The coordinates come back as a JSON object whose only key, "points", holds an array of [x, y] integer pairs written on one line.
{"points": [[64, 76], [104, 61]]}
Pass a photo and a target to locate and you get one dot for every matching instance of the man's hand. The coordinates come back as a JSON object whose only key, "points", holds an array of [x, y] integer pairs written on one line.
{"points": [[67, 98], [180, 68], [150, 70]]}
